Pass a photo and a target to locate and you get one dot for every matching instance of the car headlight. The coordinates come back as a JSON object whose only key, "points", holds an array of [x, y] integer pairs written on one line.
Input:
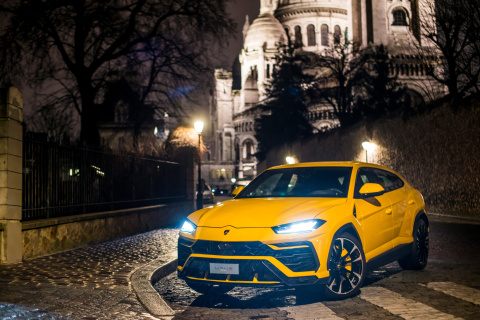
{"points": [[299, 227], [188, 227]]}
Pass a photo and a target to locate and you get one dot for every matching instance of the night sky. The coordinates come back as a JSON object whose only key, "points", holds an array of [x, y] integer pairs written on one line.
{"points": [[237, 10]]}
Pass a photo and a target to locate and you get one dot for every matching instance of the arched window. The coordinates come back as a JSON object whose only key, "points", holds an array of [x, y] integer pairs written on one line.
{"points": [[337, 34], [324, 35], [311, 35], [288, 36], [399, 18], [298, 36], [247, 150]]}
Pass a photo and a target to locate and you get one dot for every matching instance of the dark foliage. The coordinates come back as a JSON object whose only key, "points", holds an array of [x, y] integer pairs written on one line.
{"points": [[284, 111], [382, 94], [74, 50]]}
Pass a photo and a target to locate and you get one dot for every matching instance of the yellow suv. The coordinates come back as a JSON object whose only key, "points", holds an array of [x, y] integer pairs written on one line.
{"points": [[320, 223]]}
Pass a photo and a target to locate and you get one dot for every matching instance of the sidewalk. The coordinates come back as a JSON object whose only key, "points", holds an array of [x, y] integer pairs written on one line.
{"points": [[92, 282]]}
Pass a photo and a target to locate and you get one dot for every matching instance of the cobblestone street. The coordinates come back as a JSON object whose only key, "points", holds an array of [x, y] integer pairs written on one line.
{"points": [[93, 282], [449, 288], [87, 283]]}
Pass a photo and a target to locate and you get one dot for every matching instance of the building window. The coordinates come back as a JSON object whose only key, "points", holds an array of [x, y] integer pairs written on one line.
{"points": [[247, 150], [337, 34], [223, 174], [268, 71], [121, 143], [288, 35], [311, 35], [399, 18], [212, 174], [298, 36], [324, 35]]}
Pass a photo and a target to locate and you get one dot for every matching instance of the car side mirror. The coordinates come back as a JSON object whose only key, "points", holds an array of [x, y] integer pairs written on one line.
{"points": [[371, 190], [237, 190]]}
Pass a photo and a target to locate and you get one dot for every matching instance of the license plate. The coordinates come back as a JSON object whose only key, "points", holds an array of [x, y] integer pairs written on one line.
{"points": [[224, 268]]}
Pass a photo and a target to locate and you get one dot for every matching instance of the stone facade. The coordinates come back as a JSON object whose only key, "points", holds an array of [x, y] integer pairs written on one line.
{"points": [[312, 25], [437, 152], [11, 137]]}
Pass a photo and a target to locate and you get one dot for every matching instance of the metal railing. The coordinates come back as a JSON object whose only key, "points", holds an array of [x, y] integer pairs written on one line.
{"points": [[64, 180]]}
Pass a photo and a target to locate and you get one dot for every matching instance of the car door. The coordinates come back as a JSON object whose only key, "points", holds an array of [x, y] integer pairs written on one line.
{"points": [[374, 214], [397, 194]]}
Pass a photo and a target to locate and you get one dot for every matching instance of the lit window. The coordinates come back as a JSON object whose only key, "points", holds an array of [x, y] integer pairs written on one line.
{"points": [[399, 18]]}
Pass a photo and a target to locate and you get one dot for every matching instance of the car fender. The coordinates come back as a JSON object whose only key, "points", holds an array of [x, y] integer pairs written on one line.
{"points": [[413, 211]]}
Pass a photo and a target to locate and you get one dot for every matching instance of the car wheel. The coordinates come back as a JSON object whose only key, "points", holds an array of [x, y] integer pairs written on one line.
{"points": [[418, 257], [209, 289], [346, 263]]}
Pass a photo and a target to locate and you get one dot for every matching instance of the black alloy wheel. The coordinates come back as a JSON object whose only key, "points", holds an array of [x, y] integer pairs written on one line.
{"points": [[346, 263], [418, 257]]}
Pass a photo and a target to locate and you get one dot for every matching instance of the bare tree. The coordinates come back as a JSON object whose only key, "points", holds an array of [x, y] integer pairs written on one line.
{"points": [[157, 47], [449, 29], [339, 67]]}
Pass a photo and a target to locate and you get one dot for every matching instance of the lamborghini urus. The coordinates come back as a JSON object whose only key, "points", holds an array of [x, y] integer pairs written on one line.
{"points": [[320, 224]]}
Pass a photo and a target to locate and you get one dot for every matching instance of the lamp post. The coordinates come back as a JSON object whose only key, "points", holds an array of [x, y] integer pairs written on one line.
{"points": [[367, 146], [199, 128]]}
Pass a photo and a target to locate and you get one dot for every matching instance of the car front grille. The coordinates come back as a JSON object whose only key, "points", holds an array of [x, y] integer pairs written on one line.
{"points": [[297, 256], [198, 268]]}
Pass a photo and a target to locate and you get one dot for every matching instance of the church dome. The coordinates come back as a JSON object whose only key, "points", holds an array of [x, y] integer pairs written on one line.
{"points": [[265, 29]]}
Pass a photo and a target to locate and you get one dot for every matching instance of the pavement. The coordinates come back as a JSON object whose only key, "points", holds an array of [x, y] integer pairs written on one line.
{"points": [[108, 280]]}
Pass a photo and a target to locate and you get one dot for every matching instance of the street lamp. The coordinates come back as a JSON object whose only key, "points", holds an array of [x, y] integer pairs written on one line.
{"points": [[199, 128], [290, 160], [367, 146]]}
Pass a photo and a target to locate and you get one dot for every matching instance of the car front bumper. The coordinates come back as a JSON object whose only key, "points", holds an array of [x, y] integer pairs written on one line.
{"points": [[256, 263]]}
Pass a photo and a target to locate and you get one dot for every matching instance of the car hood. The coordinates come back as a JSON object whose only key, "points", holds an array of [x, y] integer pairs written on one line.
{"points": [[263, 212]]}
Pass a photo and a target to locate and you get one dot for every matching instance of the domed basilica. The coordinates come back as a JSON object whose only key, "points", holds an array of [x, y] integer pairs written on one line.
{"points": [[311, 25]]}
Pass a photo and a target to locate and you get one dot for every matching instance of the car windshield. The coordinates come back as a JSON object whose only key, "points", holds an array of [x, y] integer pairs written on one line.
{"points": [[324, 182]]}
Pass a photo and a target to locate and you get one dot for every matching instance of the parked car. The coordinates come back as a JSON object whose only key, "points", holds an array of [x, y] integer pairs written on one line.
{"points": [[208, 196], [316, 224]]}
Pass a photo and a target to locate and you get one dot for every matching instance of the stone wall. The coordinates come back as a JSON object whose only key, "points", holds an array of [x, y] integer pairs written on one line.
{"points": [[438, 152], [47, 236]]}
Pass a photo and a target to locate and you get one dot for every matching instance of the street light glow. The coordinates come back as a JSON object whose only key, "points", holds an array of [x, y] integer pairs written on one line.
{"points": [[368, 146], [290, 160], [198, 126]]}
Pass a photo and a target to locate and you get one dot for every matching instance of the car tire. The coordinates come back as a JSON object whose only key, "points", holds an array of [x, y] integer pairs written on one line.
{"points": [[346, 263], [418, 257], [209, 289]]}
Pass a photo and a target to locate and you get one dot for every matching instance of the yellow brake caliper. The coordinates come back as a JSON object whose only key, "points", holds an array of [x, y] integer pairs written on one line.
{"points": [[348, 266]]}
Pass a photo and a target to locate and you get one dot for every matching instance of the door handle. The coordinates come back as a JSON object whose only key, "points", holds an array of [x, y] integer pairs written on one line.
{"points": [[389, 211], [411, 202]]}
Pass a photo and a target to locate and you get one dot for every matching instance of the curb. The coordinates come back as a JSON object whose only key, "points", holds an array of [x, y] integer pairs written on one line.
{"points": [[141, 281], [439, 217]]}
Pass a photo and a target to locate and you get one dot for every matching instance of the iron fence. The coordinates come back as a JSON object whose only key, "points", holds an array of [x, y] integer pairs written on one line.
{"points": [[63, 180]]}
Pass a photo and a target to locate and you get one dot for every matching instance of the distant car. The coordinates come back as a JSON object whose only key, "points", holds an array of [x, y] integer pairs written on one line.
{"points": [[207, 194], [221, 191], [317, 224]]}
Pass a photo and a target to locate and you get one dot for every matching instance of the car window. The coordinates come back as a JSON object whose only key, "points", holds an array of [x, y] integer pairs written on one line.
{"points": [[364, 175], [300, 182], [388, 180]]}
